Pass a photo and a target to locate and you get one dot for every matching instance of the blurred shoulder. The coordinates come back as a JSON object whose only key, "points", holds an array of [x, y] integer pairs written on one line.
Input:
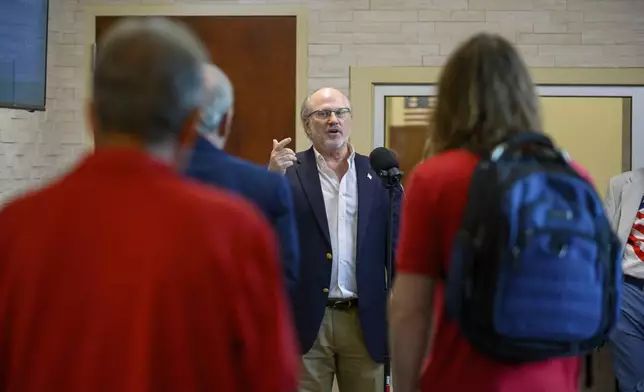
{"points": [[622, 178], [253, 169], [257, 175], [205, 200], [31, 202], [449, 166], [219, 217]]}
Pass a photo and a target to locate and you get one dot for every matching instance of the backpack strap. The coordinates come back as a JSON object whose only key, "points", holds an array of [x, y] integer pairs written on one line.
{"points": [[520, 139], [518, 142], [482, 201], [589, 379]]}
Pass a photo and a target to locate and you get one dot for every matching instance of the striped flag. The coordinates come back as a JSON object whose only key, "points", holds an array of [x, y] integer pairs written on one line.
{"points": [[417, 110]]}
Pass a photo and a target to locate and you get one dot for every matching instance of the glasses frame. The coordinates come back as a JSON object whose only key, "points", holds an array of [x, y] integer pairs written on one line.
{"points": [[339, 113]]}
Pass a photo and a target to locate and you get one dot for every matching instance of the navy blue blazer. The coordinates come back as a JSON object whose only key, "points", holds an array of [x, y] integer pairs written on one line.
{"points": [[270, 192], [315, 270]]}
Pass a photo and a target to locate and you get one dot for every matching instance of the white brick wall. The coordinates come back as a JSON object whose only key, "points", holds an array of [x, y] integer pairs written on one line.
{"points": [[36, 146], [343, 33]]}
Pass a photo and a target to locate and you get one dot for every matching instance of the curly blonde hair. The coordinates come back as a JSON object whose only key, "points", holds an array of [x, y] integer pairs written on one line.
{"points": [[485, 94]]}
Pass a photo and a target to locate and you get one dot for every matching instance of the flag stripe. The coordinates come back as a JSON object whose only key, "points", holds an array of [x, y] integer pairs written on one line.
{"points": [[417, 110]]}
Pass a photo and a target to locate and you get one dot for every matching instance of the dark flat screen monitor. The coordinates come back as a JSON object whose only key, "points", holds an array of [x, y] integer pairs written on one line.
{"points": [[23, 53]]}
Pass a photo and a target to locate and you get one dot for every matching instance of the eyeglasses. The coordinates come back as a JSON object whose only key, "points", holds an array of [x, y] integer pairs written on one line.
{"points": [[326, 113]]}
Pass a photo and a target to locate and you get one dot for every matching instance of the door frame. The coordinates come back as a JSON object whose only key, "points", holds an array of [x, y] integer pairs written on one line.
{"points": [[364, 80], [302, 33], [633, 132]]}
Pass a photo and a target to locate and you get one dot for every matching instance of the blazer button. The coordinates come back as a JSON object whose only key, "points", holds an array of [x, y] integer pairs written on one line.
{"points": [[325, 290], [329, 256]]}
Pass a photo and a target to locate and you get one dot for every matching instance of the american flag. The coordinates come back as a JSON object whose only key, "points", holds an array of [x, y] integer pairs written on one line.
{"points": [[417, 110]]}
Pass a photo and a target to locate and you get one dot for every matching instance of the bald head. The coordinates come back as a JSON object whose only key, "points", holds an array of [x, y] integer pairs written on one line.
{"points": [[318, 97], [218, 101], [326, 117], [147, 79]]}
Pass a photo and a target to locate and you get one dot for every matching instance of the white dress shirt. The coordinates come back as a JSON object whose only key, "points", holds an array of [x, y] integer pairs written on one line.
{"points": [[341, 205]]}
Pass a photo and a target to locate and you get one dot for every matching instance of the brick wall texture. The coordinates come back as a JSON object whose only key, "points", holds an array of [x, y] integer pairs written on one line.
{"points": [[34, 147]]}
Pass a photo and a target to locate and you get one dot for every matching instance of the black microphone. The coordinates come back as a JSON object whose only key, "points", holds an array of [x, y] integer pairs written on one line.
{"points": [[384, 163]]}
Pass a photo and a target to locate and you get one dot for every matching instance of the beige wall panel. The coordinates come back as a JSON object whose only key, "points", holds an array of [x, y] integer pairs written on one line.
{"points": [[590, 129]]}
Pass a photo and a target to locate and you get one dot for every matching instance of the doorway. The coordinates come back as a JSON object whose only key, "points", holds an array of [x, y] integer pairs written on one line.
{"points": [[594, 124]]}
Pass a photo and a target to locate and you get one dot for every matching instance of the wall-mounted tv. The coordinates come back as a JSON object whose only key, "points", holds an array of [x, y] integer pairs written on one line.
{"points": [[23, 53]]}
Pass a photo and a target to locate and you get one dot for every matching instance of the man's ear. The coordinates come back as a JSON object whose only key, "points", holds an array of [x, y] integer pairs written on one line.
{"points": [[226, 125], [307, 128], [186, 141], [188, 134]]}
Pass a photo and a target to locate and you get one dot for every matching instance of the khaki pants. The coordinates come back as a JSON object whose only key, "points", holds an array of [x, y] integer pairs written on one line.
{"points": [[339, 351]]}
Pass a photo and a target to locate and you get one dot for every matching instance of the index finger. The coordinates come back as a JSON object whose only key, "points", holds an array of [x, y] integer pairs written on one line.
{"points": [[282, 144]]}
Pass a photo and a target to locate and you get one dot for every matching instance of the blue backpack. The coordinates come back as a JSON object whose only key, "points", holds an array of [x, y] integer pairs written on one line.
{"points": [[535, 270]]}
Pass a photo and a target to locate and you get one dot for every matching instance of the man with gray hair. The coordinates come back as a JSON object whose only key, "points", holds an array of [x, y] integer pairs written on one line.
{"points": [[124, 276], [342, 220], [269, 192]]}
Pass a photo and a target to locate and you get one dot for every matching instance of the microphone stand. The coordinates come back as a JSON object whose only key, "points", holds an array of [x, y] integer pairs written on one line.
{"points": [[391, 181]]}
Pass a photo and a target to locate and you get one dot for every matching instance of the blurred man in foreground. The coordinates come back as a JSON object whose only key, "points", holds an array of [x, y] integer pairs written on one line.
{"points": [[270, 192], [125, 277]]}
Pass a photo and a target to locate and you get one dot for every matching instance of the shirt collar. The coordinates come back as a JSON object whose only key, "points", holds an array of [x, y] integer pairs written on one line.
{"points": [[322, 162]]}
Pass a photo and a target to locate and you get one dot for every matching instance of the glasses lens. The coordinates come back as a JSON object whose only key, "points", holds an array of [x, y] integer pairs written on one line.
{"points": [[322, 114], [342, 113]]}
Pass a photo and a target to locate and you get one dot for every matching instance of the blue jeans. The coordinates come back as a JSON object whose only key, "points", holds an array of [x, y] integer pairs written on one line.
{"points": [[627, 341]]}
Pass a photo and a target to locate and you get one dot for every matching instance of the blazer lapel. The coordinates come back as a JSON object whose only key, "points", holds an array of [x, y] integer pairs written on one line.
{"points": [[632, 193], [367, 181], [307, 172]]}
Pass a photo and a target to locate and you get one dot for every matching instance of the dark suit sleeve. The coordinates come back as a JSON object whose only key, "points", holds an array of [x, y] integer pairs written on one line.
{"points": [[285, 226], [398, 196]]}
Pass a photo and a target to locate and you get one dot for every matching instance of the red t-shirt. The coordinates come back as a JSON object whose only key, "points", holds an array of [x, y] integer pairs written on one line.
{"points": [[432, 213], [124, 277]]}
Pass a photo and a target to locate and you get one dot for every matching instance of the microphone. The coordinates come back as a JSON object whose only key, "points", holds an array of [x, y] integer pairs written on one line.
{"points": [[384, 163]]}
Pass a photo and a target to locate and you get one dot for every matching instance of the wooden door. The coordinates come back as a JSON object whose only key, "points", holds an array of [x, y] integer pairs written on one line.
{"points": [[408, 143], [407, 128], [258, 53]]}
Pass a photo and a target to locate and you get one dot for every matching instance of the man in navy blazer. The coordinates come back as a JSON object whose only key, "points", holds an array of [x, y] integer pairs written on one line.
{"points": [[342, 209], [270, 192]]}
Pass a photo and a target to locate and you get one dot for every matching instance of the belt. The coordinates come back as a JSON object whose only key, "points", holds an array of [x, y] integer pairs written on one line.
{"points": [[342, 304], [633, 281]]}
